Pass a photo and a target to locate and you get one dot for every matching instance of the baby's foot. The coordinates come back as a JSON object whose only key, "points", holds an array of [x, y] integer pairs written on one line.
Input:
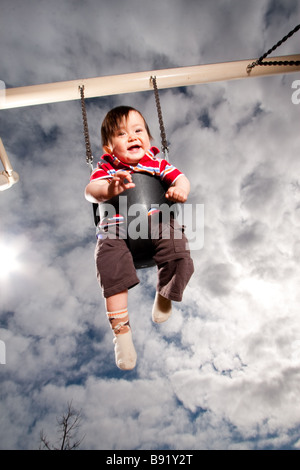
{"points": [[162, 309], [124, 351]]}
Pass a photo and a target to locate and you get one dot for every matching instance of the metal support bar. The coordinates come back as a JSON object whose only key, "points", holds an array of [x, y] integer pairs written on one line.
{"points": [[4, 159], [9, 176], [141, 81]]}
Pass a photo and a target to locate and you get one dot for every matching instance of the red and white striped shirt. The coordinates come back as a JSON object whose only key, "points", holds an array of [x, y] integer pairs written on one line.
{"points": [[148, 164]]}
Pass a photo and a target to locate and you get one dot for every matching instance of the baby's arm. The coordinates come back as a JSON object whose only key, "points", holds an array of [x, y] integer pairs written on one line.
{"points": [[180, 190], [100, 191]]}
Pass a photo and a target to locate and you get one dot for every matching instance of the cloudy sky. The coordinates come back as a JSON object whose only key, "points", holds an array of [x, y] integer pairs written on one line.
{"points": [[224, 371]]}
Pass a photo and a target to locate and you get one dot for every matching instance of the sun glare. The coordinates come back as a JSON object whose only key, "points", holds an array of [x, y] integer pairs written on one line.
{"points": [[8, 261]]}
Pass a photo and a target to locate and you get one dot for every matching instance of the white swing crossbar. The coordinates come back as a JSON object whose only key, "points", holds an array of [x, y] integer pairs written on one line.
{"points": [[141, 81]]}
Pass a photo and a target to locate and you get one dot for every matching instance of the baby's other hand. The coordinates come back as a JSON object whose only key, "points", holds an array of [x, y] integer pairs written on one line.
{"points": [[176, 194]]}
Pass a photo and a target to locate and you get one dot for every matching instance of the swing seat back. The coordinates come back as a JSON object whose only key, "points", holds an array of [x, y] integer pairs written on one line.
{"points": [[149, 192]]}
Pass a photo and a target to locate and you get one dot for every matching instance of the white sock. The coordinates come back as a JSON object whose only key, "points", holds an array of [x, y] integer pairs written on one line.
{"points": [[162, 309], [125, 353]]}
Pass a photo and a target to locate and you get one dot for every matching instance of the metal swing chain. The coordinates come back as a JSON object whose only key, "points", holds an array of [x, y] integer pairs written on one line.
{"points": [[89, 155], [276, 62], [164, 142]]}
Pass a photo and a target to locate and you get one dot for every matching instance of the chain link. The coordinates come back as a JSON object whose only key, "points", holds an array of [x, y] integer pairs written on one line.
{"points": [[275, 62], [89, 155], [163, 136]]}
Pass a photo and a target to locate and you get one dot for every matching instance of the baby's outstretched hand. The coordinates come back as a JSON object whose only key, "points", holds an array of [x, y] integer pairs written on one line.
{"points": [[121, 181], [176, 194]]}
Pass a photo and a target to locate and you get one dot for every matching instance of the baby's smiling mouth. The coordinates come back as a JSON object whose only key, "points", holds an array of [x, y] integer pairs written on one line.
{"points": [[134, 147]]}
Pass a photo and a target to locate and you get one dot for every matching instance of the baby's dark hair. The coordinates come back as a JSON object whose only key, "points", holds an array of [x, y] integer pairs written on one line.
{"points": [[112, 121]]}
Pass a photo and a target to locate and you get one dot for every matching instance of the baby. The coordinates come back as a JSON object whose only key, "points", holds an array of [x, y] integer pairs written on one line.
{"points": [[126, 139]]}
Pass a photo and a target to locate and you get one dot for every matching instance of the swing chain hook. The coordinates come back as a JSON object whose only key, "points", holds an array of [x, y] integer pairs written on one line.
{"points": [[163, 136], [89, 155], [275, 62]]}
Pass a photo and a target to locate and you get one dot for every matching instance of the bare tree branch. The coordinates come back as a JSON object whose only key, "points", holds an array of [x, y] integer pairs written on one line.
{"points": [[68, 425]]}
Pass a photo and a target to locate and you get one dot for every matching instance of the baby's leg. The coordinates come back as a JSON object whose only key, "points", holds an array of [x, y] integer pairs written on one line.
{"points": [[116, 274], [117, 301], [117, 313], [175, 267]]}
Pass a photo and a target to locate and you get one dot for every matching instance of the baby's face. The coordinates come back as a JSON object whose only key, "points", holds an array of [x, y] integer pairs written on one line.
{"points": [[131, 140]]}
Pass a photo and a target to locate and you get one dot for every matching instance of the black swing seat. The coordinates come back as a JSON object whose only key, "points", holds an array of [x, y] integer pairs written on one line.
{"points": [[149, 191]]}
